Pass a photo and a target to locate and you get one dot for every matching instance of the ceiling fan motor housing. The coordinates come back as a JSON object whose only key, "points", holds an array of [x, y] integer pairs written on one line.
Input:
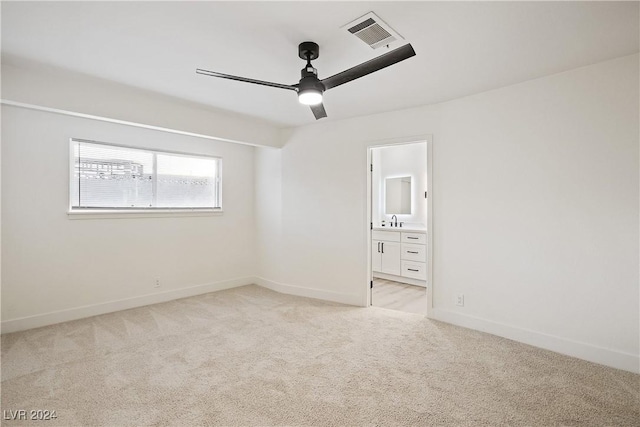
{"points": [[310, 82]]}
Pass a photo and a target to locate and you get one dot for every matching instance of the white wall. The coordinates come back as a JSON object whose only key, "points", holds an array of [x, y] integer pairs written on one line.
{"points": [[34, 84], [52, 263], [396, 161], [268, 207], [537, 206], [536, 215], [323, 176]]}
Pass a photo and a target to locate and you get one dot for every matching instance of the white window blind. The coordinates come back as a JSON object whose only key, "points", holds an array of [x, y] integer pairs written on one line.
{"points": [[106, 176]]}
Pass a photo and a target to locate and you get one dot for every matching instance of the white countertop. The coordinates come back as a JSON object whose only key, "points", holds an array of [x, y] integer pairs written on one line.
{"points": [[408, 229]]}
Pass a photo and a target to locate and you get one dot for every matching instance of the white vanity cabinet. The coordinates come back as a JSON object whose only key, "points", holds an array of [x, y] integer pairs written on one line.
{"points": [[414, 255], [385, 250], [400, 256]]}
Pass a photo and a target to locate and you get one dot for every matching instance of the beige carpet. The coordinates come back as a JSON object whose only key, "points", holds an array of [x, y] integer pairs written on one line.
{"points": [[249, 356]]}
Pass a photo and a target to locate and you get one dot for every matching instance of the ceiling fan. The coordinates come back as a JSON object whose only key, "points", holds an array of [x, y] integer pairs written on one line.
{"points": [[310, 88]]}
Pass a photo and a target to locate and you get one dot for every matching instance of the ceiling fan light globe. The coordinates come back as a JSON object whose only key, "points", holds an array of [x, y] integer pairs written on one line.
{"points": [[310, 97]]}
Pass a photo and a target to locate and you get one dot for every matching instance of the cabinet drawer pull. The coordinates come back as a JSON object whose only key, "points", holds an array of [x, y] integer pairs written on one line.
{"points": [[412, 252], [378, 246], [382, 247], [411, 269], [414, 238]]}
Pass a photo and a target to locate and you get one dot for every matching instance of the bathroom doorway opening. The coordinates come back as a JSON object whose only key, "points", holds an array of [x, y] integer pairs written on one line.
{"points": [[399, 237]]}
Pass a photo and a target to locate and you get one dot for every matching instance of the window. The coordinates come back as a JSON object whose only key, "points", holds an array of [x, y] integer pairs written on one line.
{"points": [[105, 177]]}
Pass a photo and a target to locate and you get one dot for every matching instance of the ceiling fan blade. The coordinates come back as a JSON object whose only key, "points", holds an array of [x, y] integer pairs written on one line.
{"points": [[375, 64], [318, 111], [244, 79]]}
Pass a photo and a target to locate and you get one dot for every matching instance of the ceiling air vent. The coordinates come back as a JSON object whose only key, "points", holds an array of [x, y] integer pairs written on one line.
{"points": [[373, 31]]}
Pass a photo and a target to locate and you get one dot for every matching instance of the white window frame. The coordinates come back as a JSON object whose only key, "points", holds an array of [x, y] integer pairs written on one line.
{"points": [[151, 212]]}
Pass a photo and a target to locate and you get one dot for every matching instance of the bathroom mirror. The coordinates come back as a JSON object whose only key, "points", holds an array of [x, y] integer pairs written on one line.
{"points": [[398, 195]]}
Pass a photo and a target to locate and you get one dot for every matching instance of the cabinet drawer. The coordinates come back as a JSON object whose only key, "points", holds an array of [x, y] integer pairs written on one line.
{"points": [[387, 236], [413, 252], [415, 270], [414, 238]]}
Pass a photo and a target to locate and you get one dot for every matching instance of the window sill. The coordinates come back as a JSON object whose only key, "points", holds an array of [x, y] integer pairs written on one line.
{"points": [[130, 214]]}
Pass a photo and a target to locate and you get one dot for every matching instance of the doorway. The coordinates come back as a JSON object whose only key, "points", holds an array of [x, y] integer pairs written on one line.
{"points": [[400, 230]]}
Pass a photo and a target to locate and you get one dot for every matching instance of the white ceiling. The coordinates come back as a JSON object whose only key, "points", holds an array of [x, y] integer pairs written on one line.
{"points": [[462, 47]]}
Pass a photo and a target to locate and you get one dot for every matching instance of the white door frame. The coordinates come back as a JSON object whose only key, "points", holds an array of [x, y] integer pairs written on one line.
{"points": [[428, 138]]}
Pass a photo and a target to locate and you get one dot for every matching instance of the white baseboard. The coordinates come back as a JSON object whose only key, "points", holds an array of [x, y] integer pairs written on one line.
{"points": [[616, 359], [349, 299], [604, 356], [29, 322]]}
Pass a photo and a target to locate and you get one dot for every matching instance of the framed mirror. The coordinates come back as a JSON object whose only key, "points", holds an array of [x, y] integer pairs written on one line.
{"points": [[397, 196]]}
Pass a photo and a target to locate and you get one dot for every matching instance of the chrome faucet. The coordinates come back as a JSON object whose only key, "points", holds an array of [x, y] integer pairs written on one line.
{"points": [[395, 224]]}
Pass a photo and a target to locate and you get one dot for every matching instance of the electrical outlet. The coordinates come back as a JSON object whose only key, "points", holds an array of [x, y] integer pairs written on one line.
{"points": [[157, 283], [460, 300]]}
